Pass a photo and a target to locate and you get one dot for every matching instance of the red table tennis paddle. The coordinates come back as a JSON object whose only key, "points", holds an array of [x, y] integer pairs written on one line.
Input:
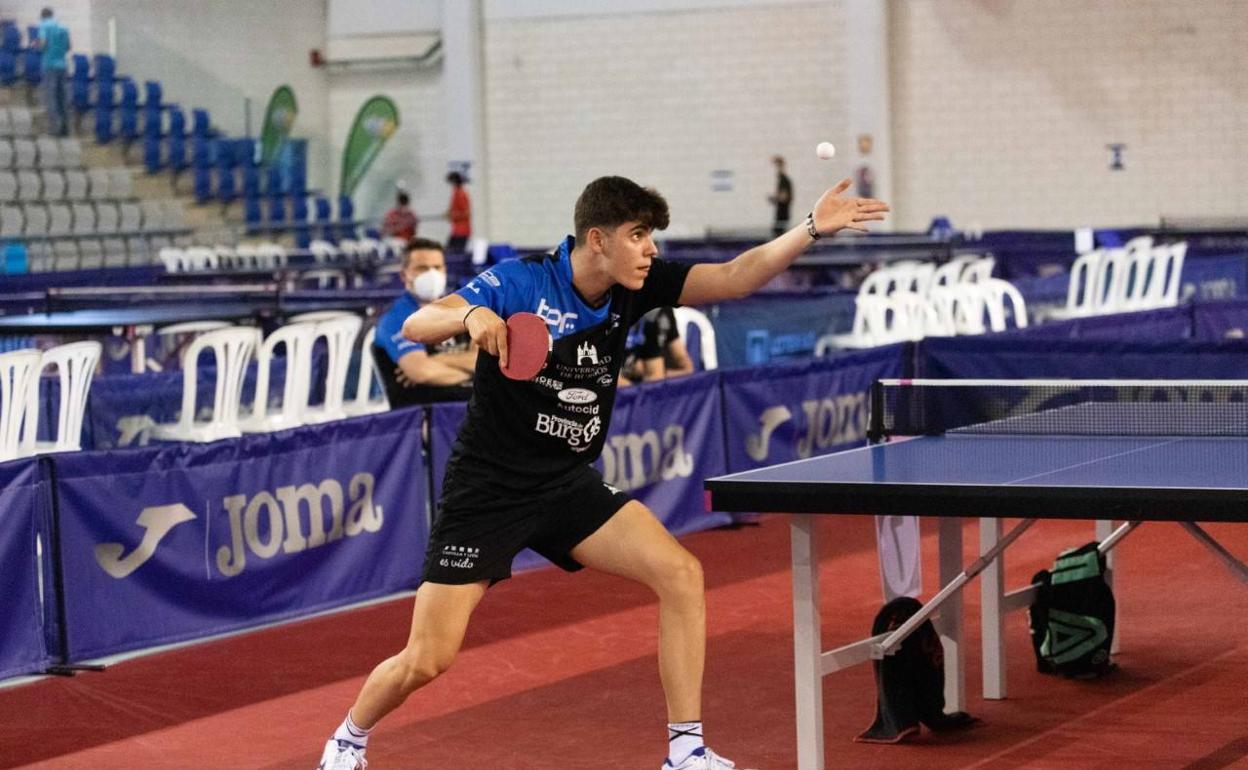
{"points": [[528, 346]]}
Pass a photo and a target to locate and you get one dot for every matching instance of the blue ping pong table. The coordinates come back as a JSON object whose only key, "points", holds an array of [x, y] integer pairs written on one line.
{"points": [[1012, 469]]}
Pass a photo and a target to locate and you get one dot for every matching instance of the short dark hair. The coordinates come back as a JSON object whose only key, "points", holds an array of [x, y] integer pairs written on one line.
{"points": [[455, 178], [46, 13], [423, 244], [610, 201], [403, 199]]}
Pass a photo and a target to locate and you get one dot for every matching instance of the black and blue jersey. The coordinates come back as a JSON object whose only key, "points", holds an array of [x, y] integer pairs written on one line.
{"points": [[530, 435]]}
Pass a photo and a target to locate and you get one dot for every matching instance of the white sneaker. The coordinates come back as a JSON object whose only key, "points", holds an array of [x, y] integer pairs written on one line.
{"points": [[701, 759], [340, 755]]}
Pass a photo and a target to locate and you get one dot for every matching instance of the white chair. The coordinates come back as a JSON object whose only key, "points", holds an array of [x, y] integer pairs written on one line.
{"points": [[350, 249], [6, 153], [8, 186], [1111, 278], [84, 218], [29, 185], [75, 367], [370, 248], [979, 270], [339, 334], [174, 259], [22, 122], [297, 339], [968, 309], [270, 255], [121, 186], [49, 152], [60, 219], [36, 219], [202, 258], [1138, 273], [323, 251], [316, 316], [106, 217], [24, 153], [232, 348], [227, 256], [995, 292], [166, 333], [1167, 275], [100, 184], [1082, 295], [398, 247], [364, 382], [687, 317], [19, 402], [480, 250], [129, 217]]}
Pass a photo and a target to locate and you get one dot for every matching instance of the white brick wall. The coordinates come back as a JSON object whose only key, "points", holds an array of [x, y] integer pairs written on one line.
{"points": [[1002, 110], [663, 98]]}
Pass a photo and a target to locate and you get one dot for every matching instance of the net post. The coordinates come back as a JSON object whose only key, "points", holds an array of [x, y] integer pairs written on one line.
{"points": [[875, 432]]}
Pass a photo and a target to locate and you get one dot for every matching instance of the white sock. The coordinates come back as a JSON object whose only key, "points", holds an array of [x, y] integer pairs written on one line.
{"points": [[352, 733], [683, 738]]}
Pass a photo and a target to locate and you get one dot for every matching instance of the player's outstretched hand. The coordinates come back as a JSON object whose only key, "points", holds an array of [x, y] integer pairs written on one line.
{"points": [[489, 332], [834, 212]]}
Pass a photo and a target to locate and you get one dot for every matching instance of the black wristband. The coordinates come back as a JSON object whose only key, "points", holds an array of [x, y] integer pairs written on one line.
{"points": [[810, 227], [465, 319]]}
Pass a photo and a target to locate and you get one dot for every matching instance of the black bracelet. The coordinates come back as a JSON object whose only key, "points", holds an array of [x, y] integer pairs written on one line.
{"points": [[810, 227], [465, 319]]}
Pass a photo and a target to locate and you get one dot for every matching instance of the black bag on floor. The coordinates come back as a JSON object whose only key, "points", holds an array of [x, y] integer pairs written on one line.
{"points": [[1072, 618], [910, 683]]}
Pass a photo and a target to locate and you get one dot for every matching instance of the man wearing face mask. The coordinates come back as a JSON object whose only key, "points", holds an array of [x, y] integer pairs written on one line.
{"points": [[411, 372]]}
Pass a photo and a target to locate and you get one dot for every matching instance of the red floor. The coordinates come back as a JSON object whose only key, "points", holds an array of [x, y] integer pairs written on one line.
{"points": [[559, 672]]}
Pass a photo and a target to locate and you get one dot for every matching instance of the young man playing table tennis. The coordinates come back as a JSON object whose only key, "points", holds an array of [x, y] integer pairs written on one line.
{"points": [[520, 475]]}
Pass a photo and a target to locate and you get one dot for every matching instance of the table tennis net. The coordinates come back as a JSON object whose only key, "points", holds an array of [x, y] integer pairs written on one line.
{"points": [[1060, 407]]}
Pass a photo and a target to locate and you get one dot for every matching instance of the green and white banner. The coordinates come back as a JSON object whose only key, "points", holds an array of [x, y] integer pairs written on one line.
{"points": [[376, 122], [278, 118]]}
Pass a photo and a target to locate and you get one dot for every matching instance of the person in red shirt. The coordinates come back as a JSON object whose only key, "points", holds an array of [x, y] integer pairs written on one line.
{"points": [[401, 221], [459, 214]]}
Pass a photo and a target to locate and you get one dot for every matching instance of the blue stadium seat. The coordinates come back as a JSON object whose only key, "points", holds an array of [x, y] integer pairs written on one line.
{"points": [[201, 127], [277, 209], [105, 76], [177, 121], [245, 152], [321, 209], [251, 181], [346, 213], [32, 66], [153, 107], [8, 68], [103, 123], [251, 212], [10, 37], [227, 188], [201, 152], [299, 208], [203, 184], [273, 180], [152, 161], [128, 111], [80, 83], [32, 35], [176, 152]]}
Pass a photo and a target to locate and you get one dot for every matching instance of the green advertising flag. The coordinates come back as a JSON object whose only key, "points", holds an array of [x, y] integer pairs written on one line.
{"points": [[377, 121], [278, 119]]}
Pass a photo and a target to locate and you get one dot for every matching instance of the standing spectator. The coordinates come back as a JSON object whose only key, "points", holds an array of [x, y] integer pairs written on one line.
{"points": [[54, 43], [459, 214], [400, 221], [781, 197]]}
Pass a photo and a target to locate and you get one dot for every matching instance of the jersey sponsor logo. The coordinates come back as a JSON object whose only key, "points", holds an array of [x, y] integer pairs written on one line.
{"points": [[554, 317], [586, 354], [634, 460], [459, 557], [578, 396], [489, 277], [549, 382], [579, 436]]}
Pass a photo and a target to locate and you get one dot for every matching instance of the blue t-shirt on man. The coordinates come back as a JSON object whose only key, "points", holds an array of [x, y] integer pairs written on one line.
{"points": [[55, 40]]}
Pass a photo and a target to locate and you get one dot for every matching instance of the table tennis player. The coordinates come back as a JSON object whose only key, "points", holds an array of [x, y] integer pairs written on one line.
{"points": [[520, 472]]}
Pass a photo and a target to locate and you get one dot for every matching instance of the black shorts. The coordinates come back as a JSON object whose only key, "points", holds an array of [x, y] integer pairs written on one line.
{"points": [[477, 532]]}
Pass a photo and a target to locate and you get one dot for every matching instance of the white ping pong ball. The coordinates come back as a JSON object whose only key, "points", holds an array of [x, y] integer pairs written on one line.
{"points": [[825, 150]]}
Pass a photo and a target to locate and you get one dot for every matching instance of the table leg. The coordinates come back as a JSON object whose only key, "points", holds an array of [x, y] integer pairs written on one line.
{"points": [[807, 643], [992, 591], [949, 624], [1104, 529]]}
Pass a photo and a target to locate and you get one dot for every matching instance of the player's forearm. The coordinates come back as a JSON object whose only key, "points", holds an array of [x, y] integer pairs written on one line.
{"points": [[751, 270], [464, 360], [436, 322], [434, 372]]}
